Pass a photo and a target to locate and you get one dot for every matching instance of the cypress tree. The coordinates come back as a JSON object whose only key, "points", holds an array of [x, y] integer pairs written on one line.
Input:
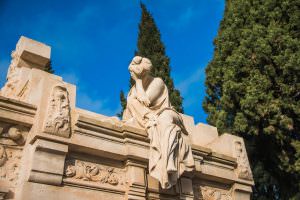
{"points": [[253, 90], [48, 68], [149, 45], [123, 104]]}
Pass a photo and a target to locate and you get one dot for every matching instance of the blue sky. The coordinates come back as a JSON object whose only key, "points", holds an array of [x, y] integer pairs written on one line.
{"points": [[93, 41]]}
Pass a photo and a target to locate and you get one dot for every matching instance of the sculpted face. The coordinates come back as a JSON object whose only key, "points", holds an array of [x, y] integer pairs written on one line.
{"points": [[139, 67]]}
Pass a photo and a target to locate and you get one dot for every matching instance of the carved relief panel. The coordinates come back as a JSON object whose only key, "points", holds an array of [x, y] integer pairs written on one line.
{"points": [[243, 168], [211, 193], [13, 76], [12, 139], [58, 116], [93, 174]]}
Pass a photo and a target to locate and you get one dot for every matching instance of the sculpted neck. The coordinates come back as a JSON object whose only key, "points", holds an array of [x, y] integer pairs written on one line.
{"points": [[146, 80]]}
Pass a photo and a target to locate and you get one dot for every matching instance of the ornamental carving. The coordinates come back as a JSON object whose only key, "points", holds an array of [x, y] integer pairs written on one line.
{"points": [[210, 193], [58, 116], [243, 169], [93, 172], [13, 76], [12, 138], [9, 170]]}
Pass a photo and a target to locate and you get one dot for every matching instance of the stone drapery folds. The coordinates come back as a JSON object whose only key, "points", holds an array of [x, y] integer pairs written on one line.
{"points": [[148, 107]]}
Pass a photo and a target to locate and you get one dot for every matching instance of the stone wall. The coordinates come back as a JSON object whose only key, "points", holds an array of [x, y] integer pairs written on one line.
{"points": [[50, 149]]}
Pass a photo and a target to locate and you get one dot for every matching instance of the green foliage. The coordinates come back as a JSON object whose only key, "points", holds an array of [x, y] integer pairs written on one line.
{"points": [[123, 104], [149, 45], [253, 89], [48, 68]]}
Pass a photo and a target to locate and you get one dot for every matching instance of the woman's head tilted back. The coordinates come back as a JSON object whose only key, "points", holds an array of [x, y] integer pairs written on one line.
{"points": [[140, 66]]}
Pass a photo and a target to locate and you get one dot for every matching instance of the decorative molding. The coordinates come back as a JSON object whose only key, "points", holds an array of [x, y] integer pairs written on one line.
{"points": [[210, 193], [91, 172], [12, 137], [243, 168], [58, 116], [13, 76], [3, 155], [16, 112], [9, 171], [3, 192]]}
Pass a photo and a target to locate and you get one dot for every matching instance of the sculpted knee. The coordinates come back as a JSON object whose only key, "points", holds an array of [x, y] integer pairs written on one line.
{"points": [[166, 117]]}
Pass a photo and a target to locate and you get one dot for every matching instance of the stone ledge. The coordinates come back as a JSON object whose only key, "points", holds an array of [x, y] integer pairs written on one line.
{"points": [[17, 111], [86, 121], [4, 190], [88, 185]]}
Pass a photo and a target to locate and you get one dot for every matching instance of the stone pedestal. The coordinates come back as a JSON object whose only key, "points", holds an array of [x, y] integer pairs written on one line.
{"points": [[52, 150]]}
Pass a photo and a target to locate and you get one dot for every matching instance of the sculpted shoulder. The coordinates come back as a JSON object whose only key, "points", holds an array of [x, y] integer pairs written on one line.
{"points": [[159, 82]]}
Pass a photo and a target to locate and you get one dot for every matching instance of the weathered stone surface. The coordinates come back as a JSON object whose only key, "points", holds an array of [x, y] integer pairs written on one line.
{"points": [[58, 120], [27, 55], [49, 149]]}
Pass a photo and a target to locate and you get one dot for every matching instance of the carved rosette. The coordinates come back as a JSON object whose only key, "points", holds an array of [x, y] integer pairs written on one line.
{"points": [[211, 193], [243, 168], [12, 138], [58, 115], [90, 172]]}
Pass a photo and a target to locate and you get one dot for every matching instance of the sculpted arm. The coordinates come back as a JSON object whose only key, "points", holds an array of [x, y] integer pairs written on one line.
{"points": [[155, 90], [140, 94]]}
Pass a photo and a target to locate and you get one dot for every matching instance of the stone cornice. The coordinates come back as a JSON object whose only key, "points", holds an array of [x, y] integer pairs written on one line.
{"points": [[16, 111]]}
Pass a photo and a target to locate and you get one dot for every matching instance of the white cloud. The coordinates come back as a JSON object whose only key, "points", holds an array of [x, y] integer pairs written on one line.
{"points": [[192, 91], [70, 78], [184, 18], [85, 101], [185, 85], [87, 98]]}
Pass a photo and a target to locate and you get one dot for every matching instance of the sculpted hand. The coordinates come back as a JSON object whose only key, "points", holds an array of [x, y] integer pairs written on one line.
{"points": [[133, 76], [144, 100]]}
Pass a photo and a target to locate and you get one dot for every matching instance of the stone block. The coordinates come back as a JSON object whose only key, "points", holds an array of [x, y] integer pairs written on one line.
{"points": [[48, 162], [33, 53], [186, 189]]}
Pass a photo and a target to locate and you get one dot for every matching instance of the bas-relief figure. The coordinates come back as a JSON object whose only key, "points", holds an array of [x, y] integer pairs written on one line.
{"points": [[148, 107], [243, 170], [12, 138], [209, 193], [93, 172], [58, 117]]}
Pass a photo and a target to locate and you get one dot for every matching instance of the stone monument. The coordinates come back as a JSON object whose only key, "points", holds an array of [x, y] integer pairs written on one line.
{"points": [[50, 149]]}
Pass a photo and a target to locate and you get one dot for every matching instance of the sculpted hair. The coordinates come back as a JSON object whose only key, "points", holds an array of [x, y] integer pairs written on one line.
{"points": [[140, 65]]}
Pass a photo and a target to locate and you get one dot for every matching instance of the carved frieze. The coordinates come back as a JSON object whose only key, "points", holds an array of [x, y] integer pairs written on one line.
{"points": [[99, 174], [13, 76], [243, 169], [9, 170], [58, 115], [12, 138], [211, 193]]}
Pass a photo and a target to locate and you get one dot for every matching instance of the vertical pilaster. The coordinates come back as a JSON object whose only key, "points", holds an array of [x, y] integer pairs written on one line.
{"points": [[186, 189], [241, 192], [136, 178], [48, 162]]}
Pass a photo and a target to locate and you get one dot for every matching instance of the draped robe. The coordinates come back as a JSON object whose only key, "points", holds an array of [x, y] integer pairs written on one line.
{"points": [[170, 153]]}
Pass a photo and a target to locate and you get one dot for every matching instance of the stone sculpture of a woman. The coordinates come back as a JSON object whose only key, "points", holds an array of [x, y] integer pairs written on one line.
{"points": [[148, 107]]}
